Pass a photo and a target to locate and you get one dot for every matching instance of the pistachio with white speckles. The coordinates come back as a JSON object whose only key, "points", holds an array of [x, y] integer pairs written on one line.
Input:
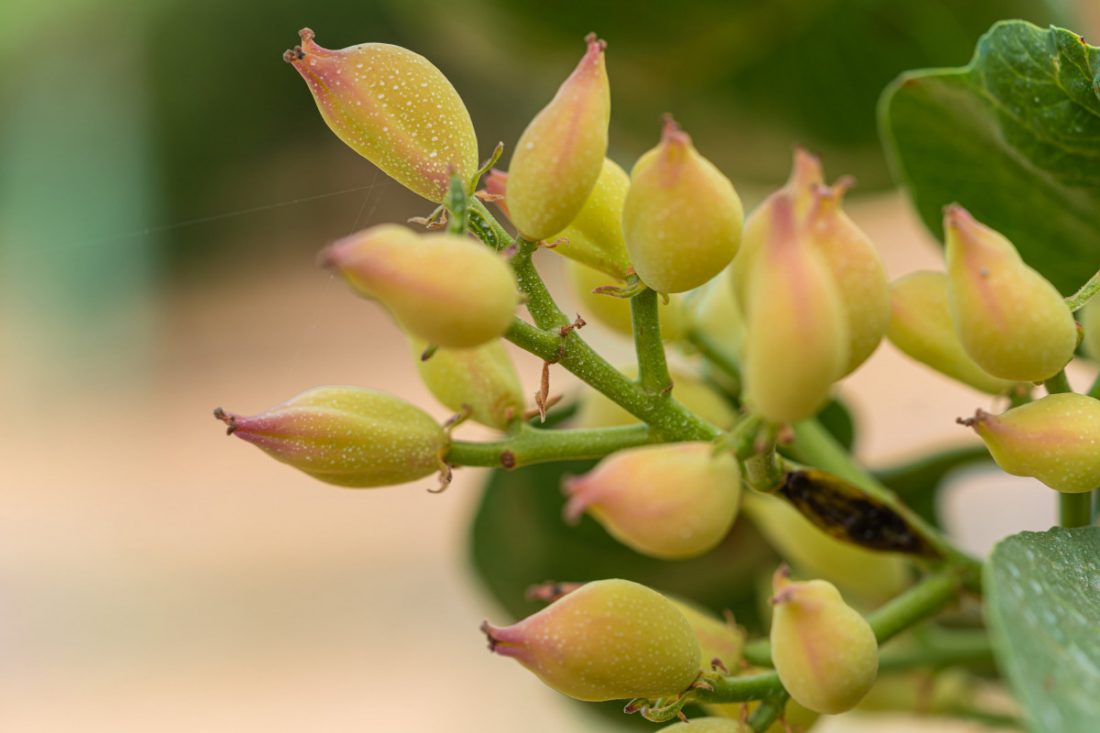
{"points": [[1055, 439], [482, 380], [1009, 318], [824, 651], [445, 289], [607, 640], [393, 107], [559, 156], [670, 501], [682, 217], [346, 436]]}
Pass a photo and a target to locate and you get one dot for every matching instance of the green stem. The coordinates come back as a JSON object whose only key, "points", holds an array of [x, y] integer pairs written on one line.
{"points": [[1075, 510], [1058, 384], [531, 445], [548, 342], [1078, 300], [769, 711], [965, 648], [740, 688], [717, 355], [814, 446], [652, 367], [485, 226]]}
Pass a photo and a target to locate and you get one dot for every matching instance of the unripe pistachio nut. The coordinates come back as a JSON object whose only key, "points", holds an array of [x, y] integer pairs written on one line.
{"points": [[671, 501], [709, 725], [682, 217], [607, 640], [825, 653], [720, 641], [1009, 318], [346, 436], [797, 344], [1055, 439], [481, 380], [442, 288], [393, 107], [559, 156]]}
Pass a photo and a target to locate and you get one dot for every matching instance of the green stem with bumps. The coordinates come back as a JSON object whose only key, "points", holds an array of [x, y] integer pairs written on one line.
{"points": [[531, 445], [1080, 299], [652, 367]]}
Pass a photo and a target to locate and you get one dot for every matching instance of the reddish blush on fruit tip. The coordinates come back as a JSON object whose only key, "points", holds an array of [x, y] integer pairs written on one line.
{"points": [[672, 133], [596, 45], [582, 494]]}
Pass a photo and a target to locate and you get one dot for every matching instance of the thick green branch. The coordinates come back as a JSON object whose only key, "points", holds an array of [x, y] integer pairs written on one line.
{"points": [[531, 445], [652, 368]]}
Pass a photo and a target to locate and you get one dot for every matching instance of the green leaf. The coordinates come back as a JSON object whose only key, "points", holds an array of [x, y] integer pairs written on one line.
{"points": [[1043, 607], [1015, 138]]}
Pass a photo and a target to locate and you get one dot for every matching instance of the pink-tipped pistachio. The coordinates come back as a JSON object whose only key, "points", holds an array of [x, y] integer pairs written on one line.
{"points": [[1055, 439], [871, 577], [920, 326], [607, 640], [599, 411], [346, 436], [670, 501], [797, 343], [1009, 318], [806, 177], [1090, 323], [613, 311], [393, 107], [558, 157], [481, 381], [682, 217], [442, 288], [825, 653], [857, 270]]}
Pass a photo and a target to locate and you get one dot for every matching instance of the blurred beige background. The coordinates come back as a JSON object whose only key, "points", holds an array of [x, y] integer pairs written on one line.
{"points": [[156, 575]]}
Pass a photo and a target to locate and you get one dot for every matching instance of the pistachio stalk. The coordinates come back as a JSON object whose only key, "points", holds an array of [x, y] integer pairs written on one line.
{"points": [[530, 445], [652, 368]]}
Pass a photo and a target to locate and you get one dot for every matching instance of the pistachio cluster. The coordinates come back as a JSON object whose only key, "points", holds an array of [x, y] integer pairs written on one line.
{"points": [[775, 309]]}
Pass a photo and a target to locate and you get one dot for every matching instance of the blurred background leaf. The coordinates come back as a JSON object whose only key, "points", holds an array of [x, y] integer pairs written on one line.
{"points": [[1014, 137]]}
